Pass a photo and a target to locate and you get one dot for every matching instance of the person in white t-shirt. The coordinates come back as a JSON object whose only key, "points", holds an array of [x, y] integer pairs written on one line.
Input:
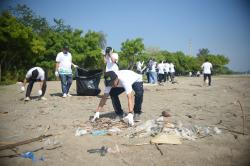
{"points": [[115, 84], [166, 71], [160, 68], [111, 60], [139, 66], [33, 75], [207, 67], [64, 71], [172, 71]]}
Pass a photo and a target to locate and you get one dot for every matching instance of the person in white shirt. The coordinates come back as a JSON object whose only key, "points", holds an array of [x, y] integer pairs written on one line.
{"points": [[139, 66], [172, 71], [166, 71], [207, 67], [115, 84], [64, 71], [111, 60], [33, 75], [160, 68]]}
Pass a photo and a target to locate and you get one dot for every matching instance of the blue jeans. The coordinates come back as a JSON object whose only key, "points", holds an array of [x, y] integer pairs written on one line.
{"points": [[115, 92], [152, 77], [66, 81]]}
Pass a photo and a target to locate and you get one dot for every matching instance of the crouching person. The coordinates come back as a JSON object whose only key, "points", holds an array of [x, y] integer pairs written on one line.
{"points": [[33, 75], [115, 84]]}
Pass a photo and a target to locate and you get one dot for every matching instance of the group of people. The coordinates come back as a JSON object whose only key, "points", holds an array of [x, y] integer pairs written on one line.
{"points": [[161, 72], [116, 81]]}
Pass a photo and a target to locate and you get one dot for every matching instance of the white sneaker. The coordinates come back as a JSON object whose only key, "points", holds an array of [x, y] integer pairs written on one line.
{"points": [[64, 95], [27, 99], [69, 95], [43, 98]]}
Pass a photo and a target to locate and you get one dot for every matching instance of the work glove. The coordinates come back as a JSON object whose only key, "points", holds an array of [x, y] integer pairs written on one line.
{"points": [[56, 73], [40, 92], [129, 119], [75, 66], [22, 88], [97, 115]]}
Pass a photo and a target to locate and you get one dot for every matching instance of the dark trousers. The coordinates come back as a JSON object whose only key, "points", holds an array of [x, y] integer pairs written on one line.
{"points": [[166, 76], [209, 78], [160, 77], [30, 86], [115, 92]]}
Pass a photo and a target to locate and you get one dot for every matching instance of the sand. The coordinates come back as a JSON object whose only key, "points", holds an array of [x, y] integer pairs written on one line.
{"points": [[187, 101]]}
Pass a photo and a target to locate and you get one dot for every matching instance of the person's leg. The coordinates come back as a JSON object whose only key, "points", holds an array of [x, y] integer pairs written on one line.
{"points": [[44, 88], [63, 83], [150, 77], [165, 76], [114, 93], [29, 88], [138, 88], [205, 78], [155, 77], [69, 82], [209, 79]]}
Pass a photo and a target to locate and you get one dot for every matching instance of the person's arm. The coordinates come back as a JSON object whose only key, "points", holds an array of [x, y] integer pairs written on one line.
{"points": [[41, 84], [57, 65], [102, 103], [130, 102]]}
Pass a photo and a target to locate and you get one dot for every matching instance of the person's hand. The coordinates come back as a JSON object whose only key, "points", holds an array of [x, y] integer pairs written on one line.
{"points": [[40, 92], [22, 88], [129, 118], [56, 73], [97, 115], [75, 66]]}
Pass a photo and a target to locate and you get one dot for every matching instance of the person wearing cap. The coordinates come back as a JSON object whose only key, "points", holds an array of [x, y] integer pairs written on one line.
{"points": [[207, 67], [111, 60], [115, 84], [64, 71], [33, 75]]}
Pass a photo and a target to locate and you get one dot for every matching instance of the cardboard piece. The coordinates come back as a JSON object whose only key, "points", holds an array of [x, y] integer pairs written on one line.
{"points": [[166, 139]]}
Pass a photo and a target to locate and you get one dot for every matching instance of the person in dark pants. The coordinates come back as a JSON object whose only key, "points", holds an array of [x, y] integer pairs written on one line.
{"points": [[118, 82], [33, 75], [207, 67]]}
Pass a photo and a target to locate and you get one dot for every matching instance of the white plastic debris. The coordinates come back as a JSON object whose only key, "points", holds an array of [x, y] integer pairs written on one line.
{"points": [[80, 132]]}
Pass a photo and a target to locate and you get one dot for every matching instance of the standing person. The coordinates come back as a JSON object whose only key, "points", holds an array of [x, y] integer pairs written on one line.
{"points": [[207, 67], [152, 71], [115, 84], [33, 75], [172, 71], [166, 71], [111, 60], [160, 67], [64, 71], [139, 68]]}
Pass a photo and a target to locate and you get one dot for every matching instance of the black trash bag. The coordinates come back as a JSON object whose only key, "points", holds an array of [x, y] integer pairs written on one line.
{"points": [[87, 82]]}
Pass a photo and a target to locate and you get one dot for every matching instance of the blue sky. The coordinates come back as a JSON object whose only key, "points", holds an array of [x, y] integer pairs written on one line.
{"points": [[222, 26]]}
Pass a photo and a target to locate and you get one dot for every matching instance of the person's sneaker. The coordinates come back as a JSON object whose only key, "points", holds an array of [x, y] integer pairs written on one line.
{"points": [[69, 95], [43, 98], [27, 99], [137, 118], [64, 95]]}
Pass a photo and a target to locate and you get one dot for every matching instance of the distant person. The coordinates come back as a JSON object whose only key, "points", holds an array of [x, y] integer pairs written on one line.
{"points": [[35, 74], [115, 84], [152, 71], [64, 71], [139, 68], [111, 60], [160, 68], [207, 67], [172, 71], [166, 71], [198, 74]]}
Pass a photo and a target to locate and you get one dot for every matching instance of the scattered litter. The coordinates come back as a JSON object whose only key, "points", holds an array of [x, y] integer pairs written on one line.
{"points": [[165, 114], [116, 149], [166, 139], [99, 132], [29, 155], [102, 151], [80, 132], [217, 131]]}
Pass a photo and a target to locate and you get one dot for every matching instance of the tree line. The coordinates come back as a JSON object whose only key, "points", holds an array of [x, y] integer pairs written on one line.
{"points": [[28, 40]]}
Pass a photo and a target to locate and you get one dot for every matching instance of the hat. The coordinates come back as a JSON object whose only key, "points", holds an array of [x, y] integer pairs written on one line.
{"points": [[66, 47], [34, 74], [110, 77], [109, 50]]}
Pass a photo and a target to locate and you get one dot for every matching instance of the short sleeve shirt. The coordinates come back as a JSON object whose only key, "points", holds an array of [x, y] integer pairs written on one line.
{"points": [[41, 73], [65, 61]]}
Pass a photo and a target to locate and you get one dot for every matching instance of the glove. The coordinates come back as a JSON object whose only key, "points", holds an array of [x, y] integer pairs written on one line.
{"points": [[56, 73], [129, 119], [22, 88], [97, 115], [40, 92], [75, 66]]}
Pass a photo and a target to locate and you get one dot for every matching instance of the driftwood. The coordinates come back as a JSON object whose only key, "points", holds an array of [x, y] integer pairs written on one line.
{"points": [[136, 144], [10, 146], [158, 148], [243, 117]]}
